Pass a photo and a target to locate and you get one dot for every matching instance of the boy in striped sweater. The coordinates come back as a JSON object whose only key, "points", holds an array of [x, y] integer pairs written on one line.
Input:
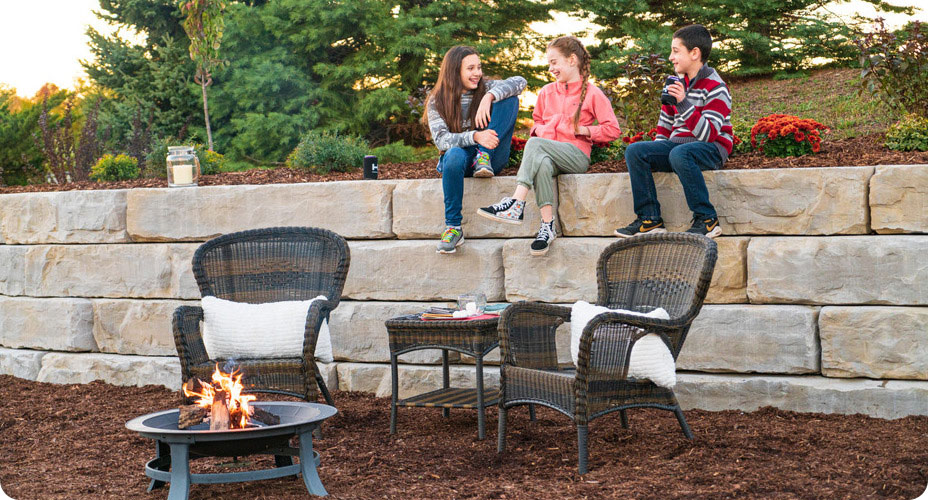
{"points": [[692, 136]]}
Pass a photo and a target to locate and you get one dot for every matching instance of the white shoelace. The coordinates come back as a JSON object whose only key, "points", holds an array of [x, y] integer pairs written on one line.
{"points": [[546, 232], [503, 205]]}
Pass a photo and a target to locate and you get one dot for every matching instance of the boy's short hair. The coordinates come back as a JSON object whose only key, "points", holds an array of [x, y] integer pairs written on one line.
{"points": [[693, 36]]}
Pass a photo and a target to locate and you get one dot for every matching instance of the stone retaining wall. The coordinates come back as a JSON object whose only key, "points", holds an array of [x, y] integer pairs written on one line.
{"points": [[819, 301]]}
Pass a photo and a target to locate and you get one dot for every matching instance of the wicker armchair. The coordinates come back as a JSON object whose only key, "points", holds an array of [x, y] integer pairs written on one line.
{"points": [[267, 265], [670, 270]]}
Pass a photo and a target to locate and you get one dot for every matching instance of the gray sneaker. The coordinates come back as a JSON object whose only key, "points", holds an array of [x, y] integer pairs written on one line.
{"points": [[450, 240]]}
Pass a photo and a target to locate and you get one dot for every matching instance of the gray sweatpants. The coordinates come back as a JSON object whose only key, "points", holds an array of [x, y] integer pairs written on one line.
{"points": [[543, 159]]}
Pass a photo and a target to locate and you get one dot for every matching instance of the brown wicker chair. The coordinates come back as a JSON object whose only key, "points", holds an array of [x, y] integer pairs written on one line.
{"points": [[661, 270], [267, 265]]}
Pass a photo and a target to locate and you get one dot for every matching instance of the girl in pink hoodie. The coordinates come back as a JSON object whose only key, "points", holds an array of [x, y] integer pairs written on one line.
{"points": [[570, 115]]}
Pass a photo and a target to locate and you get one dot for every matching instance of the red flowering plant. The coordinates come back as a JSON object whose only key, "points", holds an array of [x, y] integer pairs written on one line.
{"points": [[515, 151], [787, 135]]}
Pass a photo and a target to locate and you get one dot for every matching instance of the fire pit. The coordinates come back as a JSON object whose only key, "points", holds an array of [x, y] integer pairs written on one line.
{"points": [[176, 447]]}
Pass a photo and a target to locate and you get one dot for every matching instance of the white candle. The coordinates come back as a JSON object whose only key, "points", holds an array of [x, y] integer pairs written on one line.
{"points": [[183, 174]]}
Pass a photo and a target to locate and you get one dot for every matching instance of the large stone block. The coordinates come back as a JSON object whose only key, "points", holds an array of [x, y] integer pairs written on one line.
{"points": [[359, 334], [746, 338], [21, 363], [121, 270], [116, 369], [568, 272], [412, 270], [205, 212], [419, 208], [899, 199], [839, 270], [142, 327], [47, 324], [413, 379], [13, 269], [875, 342], [765, 201], [886, 399], [95, 216]]}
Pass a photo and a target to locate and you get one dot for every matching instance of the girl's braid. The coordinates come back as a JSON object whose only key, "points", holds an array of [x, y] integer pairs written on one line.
{"points": [[584, 58]]}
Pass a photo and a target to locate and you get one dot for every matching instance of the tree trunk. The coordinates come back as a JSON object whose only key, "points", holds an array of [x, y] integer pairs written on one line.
{"points": [[204, 81]]}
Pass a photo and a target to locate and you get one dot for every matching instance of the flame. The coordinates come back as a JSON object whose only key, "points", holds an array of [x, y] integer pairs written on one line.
{"points": [[231, 384]]}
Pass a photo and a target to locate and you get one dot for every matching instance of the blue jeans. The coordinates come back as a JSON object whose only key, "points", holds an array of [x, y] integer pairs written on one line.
{"points": [[457, 163], [686, 160]]}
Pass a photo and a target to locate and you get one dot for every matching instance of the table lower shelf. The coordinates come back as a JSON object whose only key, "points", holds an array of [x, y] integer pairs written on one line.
{"points": [[451, 398]]}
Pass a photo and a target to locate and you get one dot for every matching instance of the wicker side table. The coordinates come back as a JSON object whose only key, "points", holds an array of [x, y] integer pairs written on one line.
{"points": [[475, 338]]}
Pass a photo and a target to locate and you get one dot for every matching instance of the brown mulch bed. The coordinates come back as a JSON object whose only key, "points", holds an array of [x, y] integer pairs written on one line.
{"points": [[69, 442], [864, 150]]}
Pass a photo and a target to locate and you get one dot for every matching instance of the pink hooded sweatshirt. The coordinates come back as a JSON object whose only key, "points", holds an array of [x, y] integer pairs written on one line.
{"points": [[554, 115]]}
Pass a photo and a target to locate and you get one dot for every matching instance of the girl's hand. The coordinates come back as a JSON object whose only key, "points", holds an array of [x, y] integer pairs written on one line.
{"points": [[487, 138], [483, 111], [581, 130]]}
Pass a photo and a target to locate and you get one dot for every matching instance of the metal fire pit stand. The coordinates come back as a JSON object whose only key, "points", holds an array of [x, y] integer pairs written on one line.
{"points": [[177, 447]]}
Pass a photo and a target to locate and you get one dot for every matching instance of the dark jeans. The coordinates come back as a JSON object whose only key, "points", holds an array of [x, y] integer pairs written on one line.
{"points": [[457, 163], [686, 160]]}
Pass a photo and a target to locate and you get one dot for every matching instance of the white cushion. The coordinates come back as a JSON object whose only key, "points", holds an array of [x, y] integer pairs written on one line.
{"points": [[270, 330], [650, 357]]}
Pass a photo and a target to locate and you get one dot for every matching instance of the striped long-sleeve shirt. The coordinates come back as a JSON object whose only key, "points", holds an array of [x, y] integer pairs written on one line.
{"points": [[444, 139], [703, 115]]}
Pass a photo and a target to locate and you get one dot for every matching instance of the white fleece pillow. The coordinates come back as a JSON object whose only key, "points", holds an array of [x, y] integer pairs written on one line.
{"points": [[650, 357], [270, 330]]}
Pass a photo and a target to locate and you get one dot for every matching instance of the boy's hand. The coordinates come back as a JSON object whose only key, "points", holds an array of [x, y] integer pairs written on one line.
{"points": [[483, 111], [677, 91], [487, 138]]}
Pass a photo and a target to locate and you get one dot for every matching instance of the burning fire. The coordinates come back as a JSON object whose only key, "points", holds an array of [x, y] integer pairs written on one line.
{"points": [[229, 387]]}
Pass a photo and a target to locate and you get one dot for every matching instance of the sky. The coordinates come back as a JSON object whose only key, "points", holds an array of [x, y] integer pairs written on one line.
{"points": [[44, 40]]}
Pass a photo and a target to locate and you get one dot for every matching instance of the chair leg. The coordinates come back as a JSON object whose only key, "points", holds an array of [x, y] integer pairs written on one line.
{"points": [[624, 418], [325, 390], [582, 432], [680, 418], [531, 412], [501, 439]]}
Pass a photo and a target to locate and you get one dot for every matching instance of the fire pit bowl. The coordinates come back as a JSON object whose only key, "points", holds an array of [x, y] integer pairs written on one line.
{"points": [[176, 447]]}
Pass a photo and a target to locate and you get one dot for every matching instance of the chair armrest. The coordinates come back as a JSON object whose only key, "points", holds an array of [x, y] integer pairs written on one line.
{"points": [[527, 334], [188, 339], [318, 311], [607, 340]]}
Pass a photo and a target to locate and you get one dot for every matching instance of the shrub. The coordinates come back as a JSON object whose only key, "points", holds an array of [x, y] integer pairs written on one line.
{"points": [[741, 131], [636, 93], [395, 152], [322, 152], [786, 135], [211, 162], [894, 66], [515, 151], [908, 134], [115, 168]]}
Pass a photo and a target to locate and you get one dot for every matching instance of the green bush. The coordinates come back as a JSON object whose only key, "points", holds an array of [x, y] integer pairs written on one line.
{"points": [[211, 162], [894, 66], [322, 152], [908, 134], [115, 168], [606, 152], [742, 131], [636, 93], [395, 152]]}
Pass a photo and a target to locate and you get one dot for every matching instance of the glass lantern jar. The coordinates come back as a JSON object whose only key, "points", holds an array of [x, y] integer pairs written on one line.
{"points": [[183, 166]]}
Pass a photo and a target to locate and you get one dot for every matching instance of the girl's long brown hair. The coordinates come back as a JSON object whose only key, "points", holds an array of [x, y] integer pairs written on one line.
{"points": [[568, 45], [446, 96]]}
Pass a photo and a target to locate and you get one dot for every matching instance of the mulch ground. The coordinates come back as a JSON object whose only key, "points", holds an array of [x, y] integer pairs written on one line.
{"points": [[69, 442], [864, 150]]}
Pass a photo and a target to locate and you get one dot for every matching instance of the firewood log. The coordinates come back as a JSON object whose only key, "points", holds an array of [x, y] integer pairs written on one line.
{"points": [[190, 415], [263, 416], [219, 419]]}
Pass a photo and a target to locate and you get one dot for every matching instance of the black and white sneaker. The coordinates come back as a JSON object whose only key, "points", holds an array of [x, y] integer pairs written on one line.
{"points": [[508, 210], [546, 235], [706, 226], [641, 226]]}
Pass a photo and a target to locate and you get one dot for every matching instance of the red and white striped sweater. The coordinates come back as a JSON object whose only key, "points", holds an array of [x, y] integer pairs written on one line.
{"points": [[703, 115]]}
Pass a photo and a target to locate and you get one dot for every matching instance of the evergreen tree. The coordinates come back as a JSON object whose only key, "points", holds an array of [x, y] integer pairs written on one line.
{"points": [[749, 36]]}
